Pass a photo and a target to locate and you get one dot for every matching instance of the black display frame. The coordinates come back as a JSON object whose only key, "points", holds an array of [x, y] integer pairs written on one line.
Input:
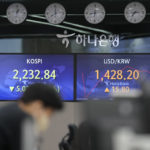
{"points": [[74, 65]]}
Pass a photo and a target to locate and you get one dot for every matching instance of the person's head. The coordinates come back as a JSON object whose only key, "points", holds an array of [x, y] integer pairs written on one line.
{"points": [[40, 101]]}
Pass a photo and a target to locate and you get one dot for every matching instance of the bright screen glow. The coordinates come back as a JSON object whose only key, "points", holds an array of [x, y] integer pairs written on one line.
{"points": [[100, 76], [18, 71]]}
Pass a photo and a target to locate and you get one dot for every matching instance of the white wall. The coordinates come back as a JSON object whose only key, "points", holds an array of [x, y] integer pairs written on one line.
{"points": [[70, 115]]}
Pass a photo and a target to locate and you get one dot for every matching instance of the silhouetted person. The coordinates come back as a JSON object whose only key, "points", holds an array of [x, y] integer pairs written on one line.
{"points": [[23, 122]]}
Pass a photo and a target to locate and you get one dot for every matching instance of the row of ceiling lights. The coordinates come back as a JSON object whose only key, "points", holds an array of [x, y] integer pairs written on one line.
{"points": [[94, 13]]}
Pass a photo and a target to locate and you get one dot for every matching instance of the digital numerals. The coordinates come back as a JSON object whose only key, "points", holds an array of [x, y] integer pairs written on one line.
{"points": [[119, 75], [34, 74], [21, 89], [123, 89]]}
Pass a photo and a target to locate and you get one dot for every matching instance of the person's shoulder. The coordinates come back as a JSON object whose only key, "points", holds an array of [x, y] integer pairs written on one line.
{"points": [[11, 113], [9, 108]]}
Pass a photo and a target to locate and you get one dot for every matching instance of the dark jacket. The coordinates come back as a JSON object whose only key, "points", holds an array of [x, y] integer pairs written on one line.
{"points": [[11, 119]]}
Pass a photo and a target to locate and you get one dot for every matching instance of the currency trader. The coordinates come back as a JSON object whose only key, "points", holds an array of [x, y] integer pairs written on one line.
{"points": [[22, 123]]}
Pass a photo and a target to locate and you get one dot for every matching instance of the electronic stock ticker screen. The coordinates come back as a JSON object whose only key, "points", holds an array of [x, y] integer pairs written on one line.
{"points": [[99, 76], [96, 76], [19, 71]]}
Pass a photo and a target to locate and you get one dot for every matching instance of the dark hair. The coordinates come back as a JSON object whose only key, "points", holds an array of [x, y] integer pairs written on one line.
{"points": [[47, 94]]}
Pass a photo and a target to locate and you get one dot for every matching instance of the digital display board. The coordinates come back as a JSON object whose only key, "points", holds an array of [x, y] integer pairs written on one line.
{"points": [[99, 76], [19, 71]]}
